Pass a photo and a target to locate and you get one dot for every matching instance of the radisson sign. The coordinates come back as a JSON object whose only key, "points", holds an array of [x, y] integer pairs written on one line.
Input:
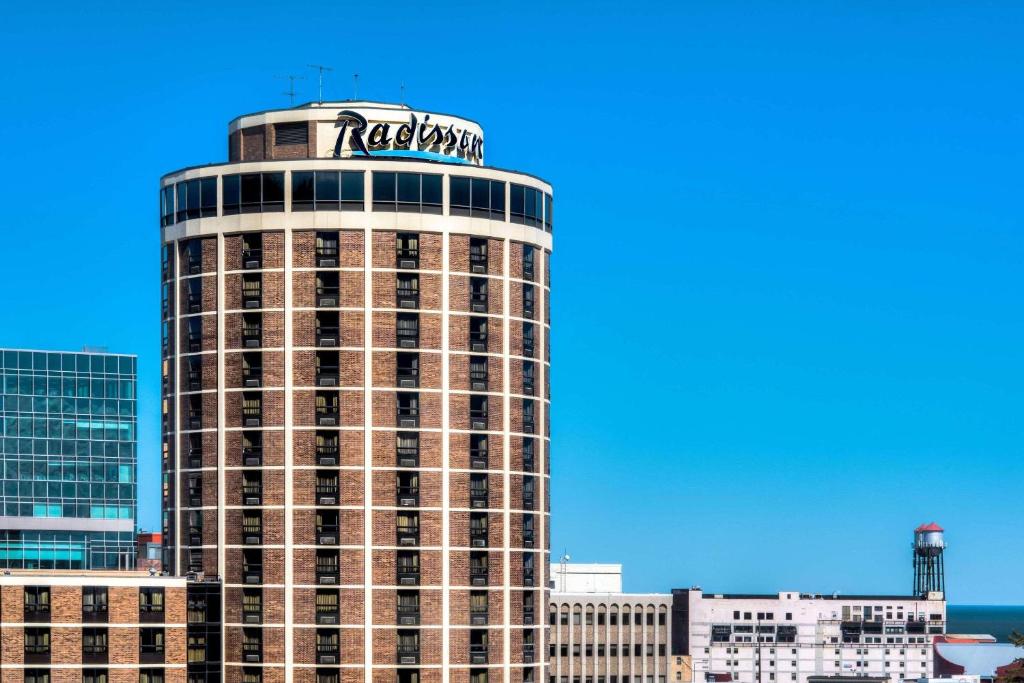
{"points": [[401, 133]]}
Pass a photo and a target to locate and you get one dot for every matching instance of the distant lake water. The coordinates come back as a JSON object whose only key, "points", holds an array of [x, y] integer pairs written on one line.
{"points": [[996, 620]]}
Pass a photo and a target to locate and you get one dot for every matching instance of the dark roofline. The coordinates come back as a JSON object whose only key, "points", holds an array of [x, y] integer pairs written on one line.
{"points": [[359, 158]]}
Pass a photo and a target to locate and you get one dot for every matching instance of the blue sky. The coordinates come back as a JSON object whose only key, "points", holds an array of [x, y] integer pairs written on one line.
{"points": [[788, 258]]}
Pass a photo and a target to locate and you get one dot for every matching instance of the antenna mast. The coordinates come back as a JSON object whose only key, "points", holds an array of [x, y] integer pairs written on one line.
{"points": [[321, 68], [291, 86], [355, 86]]}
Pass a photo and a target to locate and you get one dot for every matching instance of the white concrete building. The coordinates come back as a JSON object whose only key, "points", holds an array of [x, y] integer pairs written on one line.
{"points": [[598, 634], [792, 636]]}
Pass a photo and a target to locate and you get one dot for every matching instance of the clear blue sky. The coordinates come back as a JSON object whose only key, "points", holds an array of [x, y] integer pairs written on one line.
{"points": [[788, 297]]}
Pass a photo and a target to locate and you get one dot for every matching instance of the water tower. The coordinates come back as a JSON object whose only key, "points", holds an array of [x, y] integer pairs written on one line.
{"points": [[928, 547]]}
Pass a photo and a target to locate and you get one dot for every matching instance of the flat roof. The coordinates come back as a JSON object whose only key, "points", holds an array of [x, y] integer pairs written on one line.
{"points": [[80, 351]]}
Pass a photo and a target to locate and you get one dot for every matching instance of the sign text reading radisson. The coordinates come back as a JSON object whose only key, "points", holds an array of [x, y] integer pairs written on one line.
{"points": [[417, 135]]}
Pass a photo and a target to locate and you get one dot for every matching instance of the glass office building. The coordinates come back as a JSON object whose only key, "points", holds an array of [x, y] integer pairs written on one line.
{"points": [[68, 495]]}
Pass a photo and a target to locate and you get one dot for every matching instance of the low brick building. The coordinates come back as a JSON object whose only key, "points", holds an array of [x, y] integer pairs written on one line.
{"points": [[93, 627]]}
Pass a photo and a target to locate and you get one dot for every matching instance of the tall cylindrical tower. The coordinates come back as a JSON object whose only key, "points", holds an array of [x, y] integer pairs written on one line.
{"points": [[355, 380], [929, 574]]}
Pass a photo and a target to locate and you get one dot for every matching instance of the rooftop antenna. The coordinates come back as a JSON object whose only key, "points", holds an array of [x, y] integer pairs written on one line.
{"points": [[320, 88], [291, 86], [355, 86], [401, 96]]}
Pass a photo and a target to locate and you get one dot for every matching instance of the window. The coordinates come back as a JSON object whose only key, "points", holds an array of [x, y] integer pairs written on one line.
{"points": [[37, 676], [167, 206], [477, 197], [478, 411], [529, 301], [37, 644], [94, 641], [526, 205], [197, 198], [327, 606], [408, 449], [151, 676], [252, 605], [93, 676], [407, 250], [529, 262], [327, 190], [529, 463], [413, 192], [529, 342], [151, 645], [478, 334], [37, 603], [478, 294], [478, 451], [253, 193], [151, 602], [94, 602], [478, 373], [407, 289], [407, 330]]}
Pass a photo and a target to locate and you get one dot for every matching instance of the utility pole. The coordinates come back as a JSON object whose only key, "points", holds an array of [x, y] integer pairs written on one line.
{"points": [[320, 88]]}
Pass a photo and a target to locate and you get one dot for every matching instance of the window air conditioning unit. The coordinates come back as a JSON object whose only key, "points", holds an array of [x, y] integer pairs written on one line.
{"points": [[253, 381], [252, 343], [328, 659], [252, 618], [407, 303], [252, 658], [406, 539], [330, 301], [252, 303], [406, 580], [407, 421], [406, 343], [478, 346], [407, 659], [252, 422], [407, 501], [327, 262], [406, 263], [323, 580], [479, 542], [479, 268], [408, 620], [328, 421], [327, 381], [252, 263], [407, 383], [328, 341]]}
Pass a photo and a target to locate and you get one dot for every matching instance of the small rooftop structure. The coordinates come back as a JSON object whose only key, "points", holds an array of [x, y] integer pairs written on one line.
{"points": [[586, 578]]}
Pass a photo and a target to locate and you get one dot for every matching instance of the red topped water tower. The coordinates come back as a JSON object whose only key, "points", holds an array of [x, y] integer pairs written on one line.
{"points": [[929, 545]]}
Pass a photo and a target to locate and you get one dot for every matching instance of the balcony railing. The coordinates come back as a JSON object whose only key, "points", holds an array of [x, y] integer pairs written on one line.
{"points": [[408, 416], [408, 575], [252, 337], [408, 496], [477, 498], [327, 534], [252, 258], [408, 654], [327, 654], [327, 376], [252, 652], [327, 454], [327, 335], [327, 494], [408, 297], [252, 456], [478, 537], [252, 573], [327, 616], [407, 337], [478, 575], [478, 262], [252, 494], [327, 296], [252, 299], [478, 418], [408, 456], [407, 258], [408, 535], [252, 377], [408, 615], [327, 416]]}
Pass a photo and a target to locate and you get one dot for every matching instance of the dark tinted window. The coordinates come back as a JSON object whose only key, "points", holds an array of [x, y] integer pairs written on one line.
{"points": [[251, 192], [273, 191], [231, 193], [458, 189], [208, 202], [302, 190], [432, 190], [352, 187], [408, 188], [383, 188], [326, 187]]}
